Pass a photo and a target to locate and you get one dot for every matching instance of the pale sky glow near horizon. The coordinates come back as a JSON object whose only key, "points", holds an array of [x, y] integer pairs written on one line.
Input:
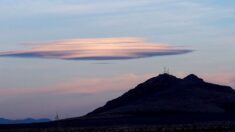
{"points": [[71, 56]]}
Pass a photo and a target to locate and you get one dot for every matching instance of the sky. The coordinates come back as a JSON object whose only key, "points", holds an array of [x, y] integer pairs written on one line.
{"points": [[71, 56]]}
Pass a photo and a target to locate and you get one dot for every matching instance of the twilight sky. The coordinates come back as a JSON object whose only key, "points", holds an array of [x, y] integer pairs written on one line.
{"points": [[71, 56]]}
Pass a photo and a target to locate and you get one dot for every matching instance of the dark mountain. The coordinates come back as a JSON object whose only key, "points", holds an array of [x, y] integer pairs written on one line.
{"points": [[169, 94], [21, 121]]}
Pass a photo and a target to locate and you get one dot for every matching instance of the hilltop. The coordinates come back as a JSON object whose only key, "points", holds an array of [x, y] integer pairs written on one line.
{"points": [[169, 94]]}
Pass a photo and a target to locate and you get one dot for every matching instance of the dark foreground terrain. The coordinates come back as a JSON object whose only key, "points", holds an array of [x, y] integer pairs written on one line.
{"points": [[162, 103], [151, 125], [189, 122]]}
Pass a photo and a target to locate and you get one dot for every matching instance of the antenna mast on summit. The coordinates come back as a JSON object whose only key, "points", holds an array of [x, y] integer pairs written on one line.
{"points": [[166, 70], [57, 116]]}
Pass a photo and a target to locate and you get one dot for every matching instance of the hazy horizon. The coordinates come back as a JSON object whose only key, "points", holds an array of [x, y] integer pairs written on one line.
{"points": [[70, 57]]}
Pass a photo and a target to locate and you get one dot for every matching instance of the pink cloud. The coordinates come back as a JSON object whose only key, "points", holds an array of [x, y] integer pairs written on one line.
{"points": [[87, 86], [109, 84], [97, 49]]}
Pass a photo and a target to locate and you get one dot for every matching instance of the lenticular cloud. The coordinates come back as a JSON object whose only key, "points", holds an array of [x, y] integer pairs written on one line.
{"points": [[97, 49]]}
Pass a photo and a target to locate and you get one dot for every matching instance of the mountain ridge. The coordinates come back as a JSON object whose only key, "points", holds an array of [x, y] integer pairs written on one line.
{"points": [[190, 94]]}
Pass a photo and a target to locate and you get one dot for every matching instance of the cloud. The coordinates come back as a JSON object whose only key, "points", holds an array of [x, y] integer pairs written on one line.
{"points": [[95, 86], [47, 7], [97, 49], [72, 98], [84, 86], [106, 84]]}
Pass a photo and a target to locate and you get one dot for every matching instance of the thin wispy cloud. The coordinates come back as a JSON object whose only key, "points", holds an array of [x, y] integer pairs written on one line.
{"points": [[82, 86], [70, 98], [97, 49], [69, 7]]}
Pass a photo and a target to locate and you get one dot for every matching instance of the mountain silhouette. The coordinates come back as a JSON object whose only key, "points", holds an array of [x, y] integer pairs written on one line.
{"points": [[169, 94]]}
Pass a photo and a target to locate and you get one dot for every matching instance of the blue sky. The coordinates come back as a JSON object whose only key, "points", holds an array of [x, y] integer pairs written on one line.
{"points": [[205, 26]]}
